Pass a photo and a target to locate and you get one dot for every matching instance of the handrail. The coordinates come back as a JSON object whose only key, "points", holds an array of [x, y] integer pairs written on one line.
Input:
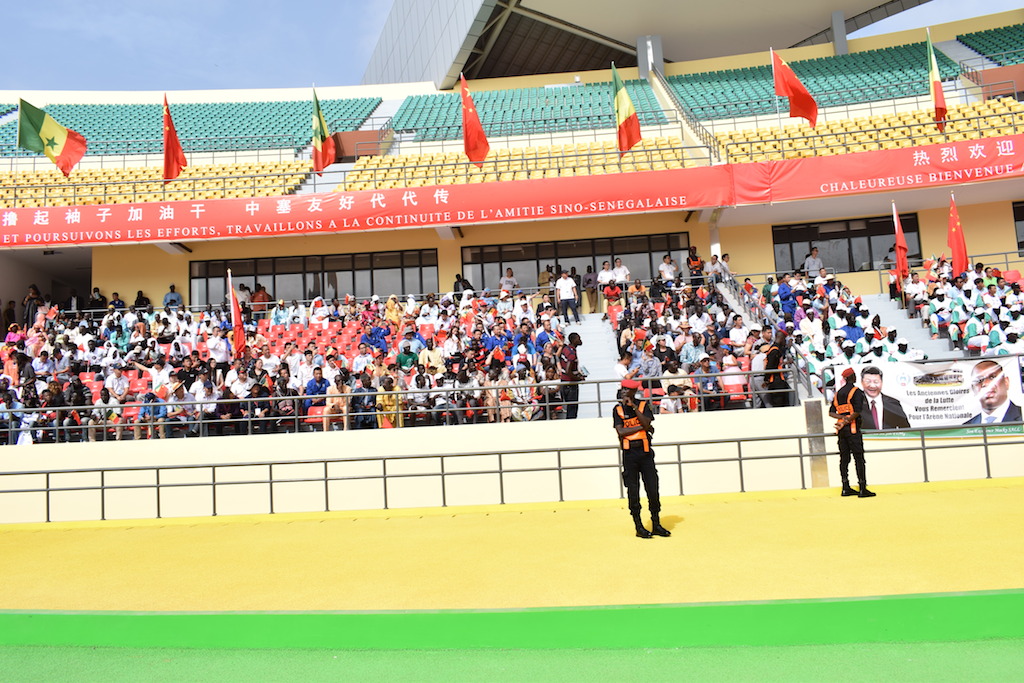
{"points": [[803, 441], [454, 410], [692, 120]]}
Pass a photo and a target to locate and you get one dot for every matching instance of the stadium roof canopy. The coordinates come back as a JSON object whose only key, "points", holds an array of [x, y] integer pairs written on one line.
{"points": [[523, 37]]}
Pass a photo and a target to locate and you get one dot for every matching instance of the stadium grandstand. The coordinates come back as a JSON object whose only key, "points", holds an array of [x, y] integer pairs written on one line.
{"points": [[735, 261]]}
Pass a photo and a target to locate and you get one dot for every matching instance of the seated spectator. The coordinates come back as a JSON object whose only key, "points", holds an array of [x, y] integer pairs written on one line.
{"points": [[152, 416], [673, 402], [363, 405], [336, 404]]}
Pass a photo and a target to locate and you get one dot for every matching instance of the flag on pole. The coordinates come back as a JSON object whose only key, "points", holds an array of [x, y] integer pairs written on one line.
{"points": [[902, 266], [237, 327], [627, 124], [788, 85], [935, 84], [38, 132], [323, 144], [955, 240], [174, 155], [473, 137]]}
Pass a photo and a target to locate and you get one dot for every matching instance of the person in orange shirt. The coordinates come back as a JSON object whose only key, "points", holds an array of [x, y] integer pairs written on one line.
{"points": [[260, 298]]}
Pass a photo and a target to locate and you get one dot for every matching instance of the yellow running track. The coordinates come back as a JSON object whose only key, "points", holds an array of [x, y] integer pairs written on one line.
{"points": [[939, 537]]}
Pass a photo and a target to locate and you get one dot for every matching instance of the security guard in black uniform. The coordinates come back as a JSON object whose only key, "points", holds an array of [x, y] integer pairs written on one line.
{"points": [[632, 421], [846, 408]]}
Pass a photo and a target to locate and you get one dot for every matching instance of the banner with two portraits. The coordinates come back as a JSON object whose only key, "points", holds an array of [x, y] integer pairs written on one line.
{"points": [[957, 394]]}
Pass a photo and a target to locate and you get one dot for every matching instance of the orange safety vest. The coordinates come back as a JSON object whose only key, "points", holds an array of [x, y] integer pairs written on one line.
{"points": [[771, 376], [640, 436], [693, 262], [846, 407]]}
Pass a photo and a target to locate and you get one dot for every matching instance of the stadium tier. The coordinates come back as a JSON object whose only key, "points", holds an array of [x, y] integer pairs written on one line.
{"points": [[843, 79], [990, 118], [524, 163], [201, 126], [1004, 45], [145, 184], [6, 109], [521, 111]]}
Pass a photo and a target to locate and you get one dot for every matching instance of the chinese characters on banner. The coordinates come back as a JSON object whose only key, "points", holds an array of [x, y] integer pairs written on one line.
{"points": [[883, 171]]}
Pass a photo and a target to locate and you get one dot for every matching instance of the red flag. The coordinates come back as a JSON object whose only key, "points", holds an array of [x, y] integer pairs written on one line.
{"points": [[473, 137], [955, 240], [935, 86], [902, 266], [238, 330], [174, 155], [788, 85]]}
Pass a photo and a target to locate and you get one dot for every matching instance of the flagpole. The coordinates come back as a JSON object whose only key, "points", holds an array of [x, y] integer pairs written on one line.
{"points": [[778, 110]]}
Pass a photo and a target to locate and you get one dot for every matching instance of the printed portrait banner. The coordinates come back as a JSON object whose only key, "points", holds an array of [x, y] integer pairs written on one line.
{"points": [[332, 212], [888, 170], [959, 394]]}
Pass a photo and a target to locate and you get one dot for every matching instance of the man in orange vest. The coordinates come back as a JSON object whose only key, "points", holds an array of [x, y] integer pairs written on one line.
{"points": [[846, 408], [632, 421]]}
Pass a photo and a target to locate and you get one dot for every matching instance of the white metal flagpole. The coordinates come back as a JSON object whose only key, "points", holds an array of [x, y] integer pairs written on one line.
{"points": [[775, 96]]}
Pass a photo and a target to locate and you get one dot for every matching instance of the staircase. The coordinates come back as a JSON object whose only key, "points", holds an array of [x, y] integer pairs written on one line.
{"points": [[917, 334], [333, 175], [598, 355], [959, 52]]}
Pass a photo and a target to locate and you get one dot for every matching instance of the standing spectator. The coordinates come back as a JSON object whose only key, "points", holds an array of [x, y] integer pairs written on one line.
{"points": [[775, 379], [787, 299], [568, 295], [31, 304], [813, 264], [508, 283], [590, 287], [571, 376], [97, 301], [10, 315], [695, 264], [141, 300], [172, 299], [621, 272], [461, 284], [667, 269]]}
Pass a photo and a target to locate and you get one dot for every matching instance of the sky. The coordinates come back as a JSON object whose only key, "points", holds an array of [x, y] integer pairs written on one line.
{"points": [[189, 44], [936, 12], [209, 44]]}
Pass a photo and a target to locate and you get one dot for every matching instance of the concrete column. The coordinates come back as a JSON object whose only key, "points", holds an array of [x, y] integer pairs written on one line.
{"points": [[839, 33], [815, 416]]}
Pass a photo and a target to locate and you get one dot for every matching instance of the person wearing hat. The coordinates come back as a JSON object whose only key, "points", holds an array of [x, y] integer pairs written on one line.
{"points": [[847, 407], [633, 424]]}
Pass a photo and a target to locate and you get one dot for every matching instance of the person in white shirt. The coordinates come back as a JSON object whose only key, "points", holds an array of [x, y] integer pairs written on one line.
{"points": [[220, 353], [813, 264], [568, 295], [243, 384], [106, 412], [619, 272], [738, 334], [117, 384], [667, 268]]}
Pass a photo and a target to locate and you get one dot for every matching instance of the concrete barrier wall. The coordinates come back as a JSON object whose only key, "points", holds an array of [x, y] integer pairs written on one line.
{"points": [[438, 466]]}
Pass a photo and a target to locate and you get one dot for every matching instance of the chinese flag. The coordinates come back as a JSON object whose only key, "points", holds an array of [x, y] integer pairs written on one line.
{"points": [[174, 155], [902, 266], [473, 136], [237, 328], [788, 85], [955, 240]]}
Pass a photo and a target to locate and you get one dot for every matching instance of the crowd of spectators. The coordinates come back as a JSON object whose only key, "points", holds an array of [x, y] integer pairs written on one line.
{"points": [[155, 372]]}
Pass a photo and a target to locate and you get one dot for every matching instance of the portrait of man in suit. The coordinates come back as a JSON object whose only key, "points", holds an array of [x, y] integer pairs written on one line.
{"points": [[991, 386], [882, 412]]}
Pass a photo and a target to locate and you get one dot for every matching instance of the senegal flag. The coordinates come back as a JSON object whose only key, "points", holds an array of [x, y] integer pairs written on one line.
{"points": [[38, 132], [935, 84], [626, 122], [323, 143]]}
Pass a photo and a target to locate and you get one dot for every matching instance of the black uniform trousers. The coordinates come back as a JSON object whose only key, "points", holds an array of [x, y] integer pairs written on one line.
{"points": [[852, 445], [637, 463]]}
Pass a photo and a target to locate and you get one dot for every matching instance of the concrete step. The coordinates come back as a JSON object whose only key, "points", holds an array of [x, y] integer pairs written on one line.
{"points": [[598, 355], [918, 335], [959, 52]]}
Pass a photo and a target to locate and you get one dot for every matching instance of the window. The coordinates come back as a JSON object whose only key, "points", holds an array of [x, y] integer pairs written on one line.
{"points": [[1018, 224], [484, 266], [846, 246], [304, 277]]}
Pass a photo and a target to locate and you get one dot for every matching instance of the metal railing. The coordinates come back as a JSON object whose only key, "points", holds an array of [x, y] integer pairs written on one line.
{"points": [[691, 119], [970, 68], [808, 445], [442, 406]]}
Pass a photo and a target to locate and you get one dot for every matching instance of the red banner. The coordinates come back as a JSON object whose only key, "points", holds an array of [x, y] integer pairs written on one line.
{"points": [[444, 205], [890, 171]]}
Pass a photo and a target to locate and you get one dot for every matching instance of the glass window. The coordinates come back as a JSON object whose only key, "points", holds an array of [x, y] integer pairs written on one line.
{"points": [[845, 246], [1018, 224]]}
